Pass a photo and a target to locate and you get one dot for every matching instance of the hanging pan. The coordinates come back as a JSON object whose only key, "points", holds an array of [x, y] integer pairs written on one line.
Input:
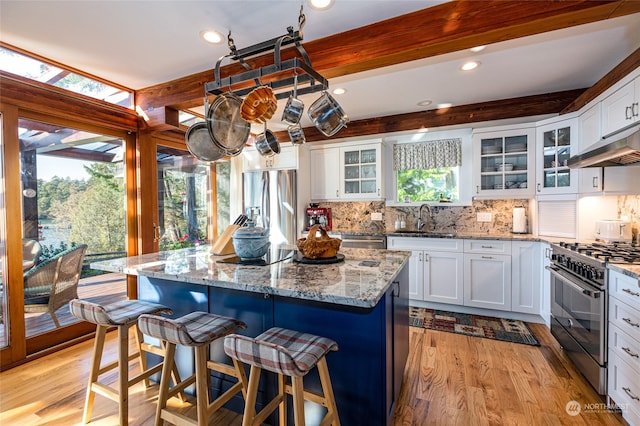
{"points": [[201, 145], [226, 127]]}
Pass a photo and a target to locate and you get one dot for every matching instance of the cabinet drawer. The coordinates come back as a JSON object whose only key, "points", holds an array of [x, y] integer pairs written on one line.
{"points": [[487, 246], [427, 244], [624, 388], [624, 288], [625, 346], [624, 317]]}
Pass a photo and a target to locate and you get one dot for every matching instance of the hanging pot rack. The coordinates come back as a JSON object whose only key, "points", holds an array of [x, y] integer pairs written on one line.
{"points": [[309, 80]]}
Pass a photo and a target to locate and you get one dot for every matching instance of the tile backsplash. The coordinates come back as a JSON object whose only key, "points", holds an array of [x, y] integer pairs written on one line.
{"points": [[629, 208], [356, 216]]}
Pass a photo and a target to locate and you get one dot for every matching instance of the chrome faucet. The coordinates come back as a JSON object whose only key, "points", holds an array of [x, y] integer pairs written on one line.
{"points": [[420, 222]]}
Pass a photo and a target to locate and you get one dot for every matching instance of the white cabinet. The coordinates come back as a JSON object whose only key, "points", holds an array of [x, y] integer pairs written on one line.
{"points": [[487, 276], [525, 277], [435, 268], [352, 172], [325, 179], [287, 159], [620, 109], [555, 143], [503, 162], [623, 384], [590, 133]]}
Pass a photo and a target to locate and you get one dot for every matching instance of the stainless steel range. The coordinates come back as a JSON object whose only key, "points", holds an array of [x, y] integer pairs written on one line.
{"points": [[579, 302]]}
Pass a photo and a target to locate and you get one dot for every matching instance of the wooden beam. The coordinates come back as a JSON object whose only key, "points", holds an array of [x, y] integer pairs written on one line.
{"points": [[441, 29], [622, 69], [550, 103]]}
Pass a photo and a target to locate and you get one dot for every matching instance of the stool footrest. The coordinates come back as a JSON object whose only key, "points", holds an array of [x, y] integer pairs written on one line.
{"points": [[268, 409], [106, 391], [177, 418], [179, 387]]}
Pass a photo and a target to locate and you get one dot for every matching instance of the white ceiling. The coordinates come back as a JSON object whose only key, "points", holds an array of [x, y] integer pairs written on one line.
{"points": [[141, 43]]}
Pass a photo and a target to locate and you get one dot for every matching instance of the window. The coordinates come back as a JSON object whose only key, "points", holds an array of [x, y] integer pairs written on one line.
{"points": [[55, 75], [419, 185]]}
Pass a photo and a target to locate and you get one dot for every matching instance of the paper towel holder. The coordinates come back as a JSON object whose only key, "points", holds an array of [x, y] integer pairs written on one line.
{"points": [[519, 225]]}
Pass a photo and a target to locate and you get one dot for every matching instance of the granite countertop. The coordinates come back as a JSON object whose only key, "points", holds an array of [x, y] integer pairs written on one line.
{"points": [[629, 270], [359, 281]]}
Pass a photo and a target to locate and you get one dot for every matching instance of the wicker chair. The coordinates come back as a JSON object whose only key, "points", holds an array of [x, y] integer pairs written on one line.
{"points": [[54, 282], [31, 251]]}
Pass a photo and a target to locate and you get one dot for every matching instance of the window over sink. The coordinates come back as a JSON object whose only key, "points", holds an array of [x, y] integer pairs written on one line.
{"points": [[420, 185]]}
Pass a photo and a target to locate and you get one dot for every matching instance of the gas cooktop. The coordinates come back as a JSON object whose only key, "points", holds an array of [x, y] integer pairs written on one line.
{"points": [[621, 253]]}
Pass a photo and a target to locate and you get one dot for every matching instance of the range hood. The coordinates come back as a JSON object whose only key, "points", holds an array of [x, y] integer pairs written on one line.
{"points": [[616, 150]]}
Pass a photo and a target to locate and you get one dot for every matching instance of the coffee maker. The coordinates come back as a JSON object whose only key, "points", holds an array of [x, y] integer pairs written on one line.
{"points": [[318, 216]]}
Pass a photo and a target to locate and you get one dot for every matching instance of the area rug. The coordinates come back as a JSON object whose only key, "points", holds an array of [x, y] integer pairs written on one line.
{"points": [[507, 330]]}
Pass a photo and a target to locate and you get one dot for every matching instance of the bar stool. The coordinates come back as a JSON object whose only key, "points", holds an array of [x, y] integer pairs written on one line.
{"points": [[123, 315], [287, 353], [198, 330]]}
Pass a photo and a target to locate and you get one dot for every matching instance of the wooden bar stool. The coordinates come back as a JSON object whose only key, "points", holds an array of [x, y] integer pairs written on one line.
{"points": [[198, 330], [287, 353], [123, 315]]}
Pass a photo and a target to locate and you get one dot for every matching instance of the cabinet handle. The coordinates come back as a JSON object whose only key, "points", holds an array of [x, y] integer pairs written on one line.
{"points": [[486, 246], [538, 187], [595, 181], [337, 193], [487, 257], [426, 257], [378, 192], [631, 292], [628, 391], [628, 112], [631, 353], [547, 253], [634, 109], [477, 189], [420, 257], [631, 323]]}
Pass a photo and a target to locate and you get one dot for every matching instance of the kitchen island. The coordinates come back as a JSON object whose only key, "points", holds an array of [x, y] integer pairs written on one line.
{"points": [[361, 303]]}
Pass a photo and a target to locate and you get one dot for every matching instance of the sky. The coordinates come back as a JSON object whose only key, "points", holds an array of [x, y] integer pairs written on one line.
{"points": [[49, 166]]}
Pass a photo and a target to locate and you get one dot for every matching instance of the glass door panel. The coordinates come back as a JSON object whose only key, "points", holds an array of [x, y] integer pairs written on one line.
{"points": [[73, 192], [183, 194]]}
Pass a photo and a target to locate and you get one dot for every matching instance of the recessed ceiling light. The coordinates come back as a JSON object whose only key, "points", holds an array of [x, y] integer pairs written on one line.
{"points": [[477, 49], [444, 105], [426, 102], [471, 65], [320, 4], [339, 91], [211, 36]]}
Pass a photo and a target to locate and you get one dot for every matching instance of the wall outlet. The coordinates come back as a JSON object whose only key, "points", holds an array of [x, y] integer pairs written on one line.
{"points": [[376, 216], [484, 217]]}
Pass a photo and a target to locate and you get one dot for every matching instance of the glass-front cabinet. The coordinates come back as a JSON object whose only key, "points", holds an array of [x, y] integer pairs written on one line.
{"points": [[361, 170], [503, 162], [555, 143]]}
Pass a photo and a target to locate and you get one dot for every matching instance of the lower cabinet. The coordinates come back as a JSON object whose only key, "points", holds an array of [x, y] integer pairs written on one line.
{"points": [[623, 384], [491, 274]]}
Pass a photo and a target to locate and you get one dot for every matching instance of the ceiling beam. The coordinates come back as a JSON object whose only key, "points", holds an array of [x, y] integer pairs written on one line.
{"points": [[437, 30], [527, 106]]}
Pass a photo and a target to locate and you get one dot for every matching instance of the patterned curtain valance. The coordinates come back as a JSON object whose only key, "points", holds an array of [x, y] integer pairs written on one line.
{"points": [[428, 155]]}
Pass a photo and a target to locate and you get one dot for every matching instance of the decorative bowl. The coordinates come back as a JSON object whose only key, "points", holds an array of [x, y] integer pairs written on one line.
{"points": [[251, 242]]}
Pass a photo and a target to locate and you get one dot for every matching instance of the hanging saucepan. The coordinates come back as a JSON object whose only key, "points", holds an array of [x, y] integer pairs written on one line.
{"points": [[267, 144], [227, 128], [327, 115], [201, 145], [294, 106], [296, 134]]}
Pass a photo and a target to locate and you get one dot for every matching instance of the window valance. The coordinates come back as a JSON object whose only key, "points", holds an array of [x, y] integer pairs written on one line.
{"points": [[428, 155]]}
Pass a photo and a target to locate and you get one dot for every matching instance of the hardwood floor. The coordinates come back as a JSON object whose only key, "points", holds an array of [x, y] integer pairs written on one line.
{"points": [[450, 379]]}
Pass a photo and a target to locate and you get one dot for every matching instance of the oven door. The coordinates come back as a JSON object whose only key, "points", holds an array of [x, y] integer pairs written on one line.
{"points": [[580, 309]]}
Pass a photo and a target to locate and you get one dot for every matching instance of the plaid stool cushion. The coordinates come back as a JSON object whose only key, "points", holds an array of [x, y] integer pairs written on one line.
{"points": [[119, 313], [280, 350], [194, 329]]}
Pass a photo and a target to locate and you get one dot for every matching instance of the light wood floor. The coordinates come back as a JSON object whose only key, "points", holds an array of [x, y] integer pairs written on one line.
{"points": [[449, 380]]}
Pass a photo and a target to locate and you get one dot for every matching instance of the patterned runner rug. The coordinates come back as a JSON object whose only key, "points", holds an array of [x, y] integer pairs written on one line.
{"points": [[507, 330]]}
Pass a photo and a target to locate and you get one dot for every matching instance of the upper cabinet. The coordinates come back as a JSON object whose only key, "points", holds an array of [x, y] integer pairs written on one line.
{"points": [[287, 159], [503, 162], [555, 143], [589, 133], [359, 174], [621, 109]]}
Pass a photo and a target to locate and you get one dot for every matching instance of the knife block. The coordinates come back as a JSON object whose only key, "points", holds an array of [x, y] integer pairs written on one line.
{"points": [[224, 244]]}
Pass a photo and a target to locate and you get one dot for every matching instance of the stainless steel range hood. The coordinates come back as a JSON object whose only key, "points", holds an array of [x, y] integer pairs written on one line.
{"points": [[616, 150]]}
